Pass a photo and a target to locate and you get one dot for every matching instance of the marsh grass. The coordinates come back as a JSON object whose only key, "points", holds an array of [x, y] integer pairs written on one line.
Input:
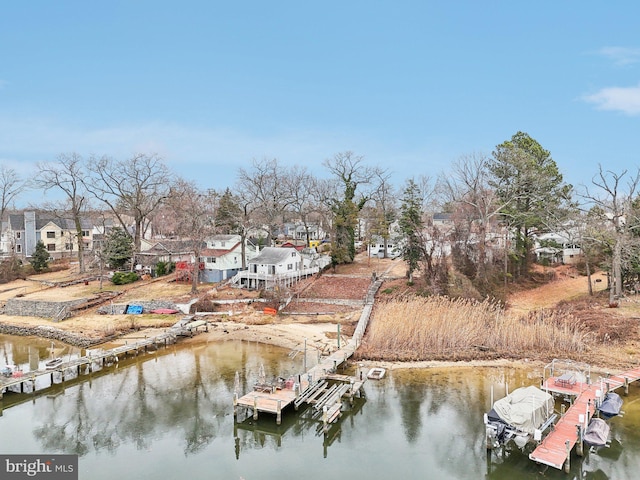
{"points": [[439, 327]]}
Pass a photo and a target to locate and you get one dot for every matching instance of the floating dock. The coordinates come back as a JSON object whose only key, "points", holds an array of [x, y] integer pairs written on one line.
{"points": [[555, 449]]}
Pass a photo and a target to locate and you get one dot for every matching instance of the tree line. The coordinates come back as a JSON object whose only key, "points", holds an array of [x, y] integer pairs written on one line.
{"points": [[495, 207]]}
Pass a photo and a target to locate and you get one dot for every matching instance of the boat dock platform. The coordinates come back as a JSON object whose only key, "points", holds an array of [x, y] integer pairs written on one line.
{"points": [[25, 382], [320, 386], [555, 449]]}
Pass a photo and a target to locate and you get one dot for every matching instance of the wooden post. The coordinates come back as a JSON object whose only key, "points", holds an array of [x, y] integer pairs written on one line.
{"points": [[324, 418], [579, 444], [279, 413], [567, 463], [235, 405], [562, 409], [255, 408], [626, 386]]}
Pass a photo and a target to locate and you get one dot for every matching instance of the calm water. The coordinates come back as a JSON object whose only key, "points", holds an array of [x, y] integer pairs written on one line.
{"points": [[169, 415]]}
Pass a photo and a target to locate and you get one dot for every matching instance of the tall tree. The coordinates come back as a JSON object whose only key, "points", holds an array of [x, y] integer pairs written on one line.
{"points": [[132, 188], [265, 193], [195, 211], [411, 225], [613, 198], [385, 206], [305, 201], [349, 173], [468, 186], [11, 185], [67, 175], [529, 184], [228, 214], [117, 249]]}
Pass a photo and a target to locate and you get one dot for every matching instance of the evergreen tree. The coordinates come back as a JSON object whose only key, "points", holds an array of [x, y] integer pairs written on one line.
{"points": [[411, 226], [528, 181], [118, 248], [40, 258], [228, 214]]}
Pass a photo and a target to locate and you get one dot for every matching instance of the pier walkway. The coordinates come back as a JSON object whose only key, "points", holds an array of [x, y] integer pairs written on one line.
{"points": [[555, 449], [99, 357]]}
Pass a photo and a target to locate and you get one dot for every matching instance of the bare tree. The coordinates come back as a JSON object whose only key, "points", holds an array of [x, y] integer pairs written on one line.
{"points": [[195, 215], [614, 196], [304, 190], [265, 194], [11, 185], [67, 175], [468, 185], [131, 189]]}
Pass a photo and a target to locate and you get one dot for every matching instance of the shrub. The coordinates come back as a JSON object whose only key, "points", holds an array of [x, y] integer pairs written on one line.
{"points": [[122, 278]]}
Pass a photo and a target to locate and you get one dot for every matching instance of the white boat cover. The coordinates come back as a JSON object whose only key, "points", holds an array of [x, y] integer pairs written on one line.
{"points": [[526, 408]]}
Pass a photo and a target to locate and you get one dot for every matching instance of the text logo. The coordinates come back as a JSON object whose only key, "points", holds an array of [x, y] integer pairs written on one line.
{"points": [[50, 467]]}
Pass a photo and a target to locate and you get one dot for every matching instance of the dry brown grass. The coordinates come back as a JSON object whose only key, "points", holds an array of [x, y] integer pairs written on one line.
{"points": [[438, 327]]}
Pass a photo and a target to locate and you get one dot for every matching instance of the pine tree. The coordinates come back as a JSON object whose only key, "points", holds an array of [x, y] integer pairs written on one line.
{"points": [[40, 258], [411, 226]]}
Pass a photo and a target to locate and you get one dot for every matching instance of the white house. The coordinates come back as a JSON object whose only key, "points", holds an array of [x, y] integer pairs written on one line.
{"points": [[558, 247], [275, 266], [222, 258]]}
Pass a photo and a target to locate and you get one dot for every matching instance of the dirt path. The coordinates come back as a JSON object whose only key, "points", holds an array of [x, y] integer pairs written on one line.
{"points": [[565, 287]]}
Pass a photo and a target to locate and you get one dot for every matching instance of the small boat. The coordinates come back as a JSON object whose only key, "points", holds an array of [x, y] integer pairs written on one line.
{"points": [[376, 373], [597, 433], [610, 406], [53, 363], [7, 371], [521, 417]]}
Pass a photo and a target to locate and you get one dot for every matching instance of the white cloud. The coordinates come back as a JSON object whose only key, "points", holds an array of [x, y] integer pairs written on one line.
{"points": [[621, 55], [620, 99]]}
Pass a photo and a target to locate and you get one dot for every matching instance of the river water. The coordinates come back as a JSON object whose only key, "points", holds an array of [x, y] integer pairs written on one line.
{"points": [[169, 414]]}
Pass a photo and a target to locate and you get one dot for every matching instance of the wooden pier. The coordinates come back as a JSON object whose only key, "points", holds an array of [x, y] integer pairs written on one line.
{"points": [[87, 363], [555, 449], [313, 387]]}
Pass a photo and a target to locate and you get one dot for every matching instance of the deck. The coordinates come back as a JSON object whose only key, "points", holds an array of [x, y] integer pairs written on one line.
{"points": [[555, 449]]}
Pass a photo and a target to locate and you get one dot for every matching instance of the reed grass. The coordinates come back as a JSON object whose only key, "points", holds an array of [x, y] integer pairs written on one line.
{"points": [[422, 328]]}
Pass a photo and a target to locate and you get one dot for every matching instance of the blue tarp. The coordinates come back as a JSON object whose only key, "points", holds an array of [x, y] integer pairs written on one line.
{"points": [[135, 309]]}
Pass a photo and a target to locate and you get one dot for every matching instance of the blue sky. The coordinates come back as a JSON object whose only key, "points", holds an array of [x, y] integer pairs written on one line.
{"points": [[409, 85]]}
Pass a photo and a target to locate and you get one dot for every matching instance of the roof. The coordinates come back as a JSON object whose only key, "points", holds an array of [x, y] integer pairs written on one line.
{"points": [[273, 255], [172, 246], [16, 221], [218, 252]]}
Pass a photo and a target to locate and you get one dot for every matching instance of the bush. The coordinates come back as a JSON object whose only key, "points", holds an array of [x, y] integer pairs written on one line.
{"points": [[164, 268], [122, 278]]}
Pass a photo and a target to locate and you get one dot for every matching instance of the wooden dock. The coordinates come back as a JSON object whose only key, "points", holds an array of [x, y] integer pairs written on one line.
{"points": [[96, 359], [555, 449], [312, 387]]}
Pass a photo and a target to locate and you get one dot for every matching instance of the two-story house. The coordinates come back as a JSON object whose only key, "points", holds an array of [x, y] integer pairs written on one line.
{"points": [[222, 257], [59, 235]]}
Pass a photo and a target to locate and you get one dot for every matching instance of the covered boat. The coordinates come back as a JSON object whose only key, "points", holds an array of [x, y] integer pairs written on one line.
{"points": [[521, 416], [610, 406], [597, 433]]}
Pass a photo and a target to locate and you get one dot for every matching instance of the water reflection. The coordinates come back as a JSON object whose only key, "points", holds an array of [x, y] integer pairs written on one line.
{"points": [[165, 413]]}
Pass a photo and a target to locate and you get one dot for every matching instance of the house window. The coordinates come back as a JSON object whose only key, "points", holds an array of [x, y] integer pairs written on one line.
{"points": [[290, 266], [235, 259], [211, 260], [222, 244], [86, 245], [67, 246], [18, 248], [51, 247], [85, 233], [18, 234], [51, 234], [293, 254]]}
